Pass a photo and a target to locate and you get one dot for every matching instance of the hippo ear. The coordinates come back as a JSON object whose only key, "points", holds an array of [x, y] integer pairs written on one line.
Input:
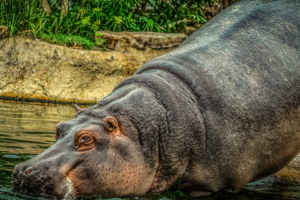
{"points": [[111, 124], [77, 108]]}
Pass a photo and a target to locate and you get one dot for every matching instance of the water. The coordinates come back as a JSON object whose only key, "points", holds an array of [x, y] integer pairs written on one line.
{"points": [[27, 129]]}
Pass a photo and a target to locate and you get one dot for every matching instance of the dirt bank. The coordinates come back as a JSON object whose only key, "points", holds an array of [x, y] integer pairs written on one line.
{"points": [[33, 69]]}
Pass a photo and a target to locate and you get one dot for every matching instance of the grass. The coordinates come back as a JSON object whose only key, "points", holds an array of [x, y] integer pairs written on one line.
{"points": [[68, 40], [21, 15], [25, 17], [84, 19]]}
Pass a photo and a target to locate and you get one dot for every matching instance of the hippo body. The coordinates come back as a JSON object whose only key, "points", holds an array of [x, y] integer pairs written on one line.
{"points": [[218, 112]]}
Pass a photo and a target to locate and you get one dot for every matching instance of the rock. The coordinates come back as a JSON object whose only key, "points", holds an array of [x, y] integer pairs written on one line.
{"points": [[290, 174], [39, 70], [138, 40], [4, 32], [211, 11], [189, 30]]}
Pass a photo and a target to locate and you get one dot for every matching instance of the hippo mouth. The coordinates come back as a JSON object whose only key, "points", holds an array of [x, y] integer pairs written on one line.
{"points": [[40, 187], [23, 183], [41, 191]]}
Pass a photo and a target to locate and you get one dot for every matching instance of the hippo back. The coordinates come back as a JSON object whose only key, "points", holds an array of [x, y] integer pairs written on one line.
{"points": [[244, 68], [248, 53]]}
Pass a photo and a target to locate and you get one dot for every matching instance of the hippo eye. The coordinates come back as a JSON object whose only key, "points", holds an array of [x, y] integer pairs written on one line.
{"points": [[84, 141]]}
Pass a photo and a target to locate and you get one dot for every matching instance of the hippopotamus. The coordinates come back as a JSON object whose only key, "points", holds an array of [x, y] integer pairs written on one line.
{"points": [[216, 113]]}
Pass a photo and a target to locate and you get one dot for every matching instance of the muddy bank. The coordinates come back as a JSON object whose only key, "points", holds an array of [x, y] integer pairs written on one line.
{"points": [[32, 69]]}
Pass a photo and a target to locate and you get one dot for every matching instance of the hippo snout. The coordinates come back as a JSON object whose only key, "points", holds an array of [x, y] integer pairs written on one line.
{"points": [[27, 179], [36, 179]]}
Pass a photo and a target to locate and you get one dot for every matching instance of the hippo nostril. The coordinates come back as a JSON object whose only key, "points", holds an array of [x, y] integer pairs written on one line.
{"points": [[28, 171]]}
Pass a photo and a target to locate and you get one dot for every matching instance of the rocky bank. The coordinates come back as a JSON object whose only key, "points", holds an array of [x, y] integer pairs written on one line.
{"points": [[33, 69]]}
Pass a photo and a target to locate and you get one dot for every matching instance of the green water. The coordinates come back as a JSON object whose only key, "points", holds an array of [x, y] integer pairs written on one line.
{"points": [[27, 129]]}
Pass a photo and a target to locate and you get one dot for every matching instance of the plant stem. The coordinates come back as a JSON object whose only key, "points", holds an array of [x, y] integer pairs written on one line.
{"points": [[144, 4], [46, 7], [64, 8]]}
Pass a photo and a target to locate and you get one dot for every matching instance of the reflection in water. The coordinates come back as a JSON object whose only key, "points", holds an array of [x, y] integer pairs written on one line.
{"points": [[27, 129]]}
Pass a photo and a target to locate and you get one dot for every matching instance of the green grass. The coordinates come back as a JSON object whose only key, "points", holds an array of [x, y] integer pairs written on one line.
{"points": [[68, 40], [27, 17], [84, 20]]}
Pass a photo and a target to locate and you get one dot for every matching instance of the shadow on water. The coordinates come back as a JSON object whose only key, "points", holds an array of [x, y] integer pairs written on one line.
{"points": [[27, 129]]}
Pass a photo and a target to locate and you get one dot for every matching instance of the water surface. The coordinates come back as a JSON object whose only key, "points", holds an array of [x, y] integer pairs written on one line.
{"points": [[27, 129]]}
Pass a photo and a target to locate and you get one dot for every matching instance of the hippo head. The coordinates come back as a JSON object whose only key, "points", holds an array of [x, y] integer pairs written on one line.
{"points": [[97, 153]]}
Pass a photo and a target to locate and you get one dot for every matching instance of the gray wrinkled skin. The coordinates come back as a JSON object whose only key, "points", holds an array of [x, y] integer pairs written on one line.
{"points": [[218, 112]]}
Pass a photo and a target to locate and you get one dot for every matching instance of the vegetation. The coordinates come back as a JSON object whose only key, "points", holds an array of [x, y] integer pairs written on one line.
{"points": [[59, 20], [68, 40]]}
